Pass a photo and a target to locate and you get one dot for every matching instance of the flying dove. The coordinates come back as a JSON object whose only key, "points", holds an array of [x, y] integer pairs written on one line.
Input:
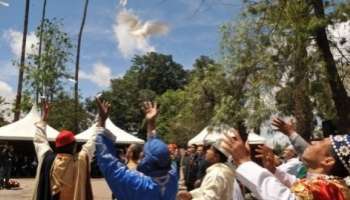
{"points": [[123, 2]]}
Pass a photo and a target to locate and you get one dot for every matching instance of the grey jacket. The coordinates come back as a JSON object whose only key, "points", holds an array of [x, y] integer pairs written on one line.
{"points": [[298, 143]]}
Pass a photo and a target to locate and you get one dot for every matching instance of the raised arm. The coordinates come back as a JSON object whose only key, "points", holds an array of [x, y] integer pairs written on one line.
{"points": [[151, 112], [123, 182], [104, 109], [288, 129], [40, 141], [259, 180]]}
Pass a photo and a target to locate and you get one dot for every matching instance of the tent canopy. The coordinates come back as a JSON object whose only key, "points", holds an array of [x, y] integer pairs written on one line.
{"points": [[24, 129], [211, 134], [207, 135], [122, 136]]}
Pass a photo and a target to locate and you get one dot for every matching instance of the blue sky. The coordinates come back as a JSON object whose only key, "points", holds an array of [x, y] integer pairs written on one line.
{"points": [[194, 31]]}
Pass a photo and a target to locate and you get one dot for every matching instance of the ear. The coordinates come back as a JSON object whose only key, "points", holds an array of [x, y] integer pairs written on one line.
{"points": [[328, 162]]}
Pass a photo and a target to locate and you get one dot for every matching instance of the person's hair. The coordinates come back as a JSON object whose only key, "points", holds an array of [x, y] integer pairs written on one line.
{"points": [[69, 148], [328, 128], [136, 150], [338, 169], [222, 157]]}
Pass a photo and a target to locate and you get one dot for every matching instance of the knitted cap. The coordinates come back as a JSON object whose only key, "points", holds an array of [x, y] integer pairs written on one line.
{"points": [[341, 146], [64, 138]]}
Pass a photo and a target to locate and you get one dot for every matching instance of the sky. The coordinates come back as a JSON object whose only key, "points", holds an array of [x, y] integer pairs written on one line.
{"points": [[189, 30]]}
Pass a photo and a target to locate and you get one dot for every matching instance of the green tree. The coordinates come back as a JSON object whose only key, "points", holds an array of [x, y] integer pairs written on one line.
{"points": [[63, 111], [3, 112], [77, 61], [272, 51], [158, 72], [185, 112], [43, 14], [22, 63], [149, 77], [55, 55]]}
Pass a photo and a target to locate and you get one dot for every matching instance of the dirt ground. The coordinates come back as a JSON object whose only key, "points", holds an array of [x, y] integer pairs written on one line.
{"points": [[100, 189]]}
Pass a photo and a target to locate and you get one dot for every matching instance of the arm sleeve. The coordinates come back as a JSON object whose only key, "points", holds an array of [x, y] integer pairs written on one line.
{"points": [[89, 146], [40, 141], [125, 184], [298, 143], [285, 178], [262, 183], [211, 191]]}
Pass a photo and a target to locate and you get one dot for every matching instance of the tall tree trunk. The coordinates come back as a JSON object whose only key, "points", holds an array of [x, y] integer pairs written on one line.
{"points": [[76, 85], [339, 94], [40, 46], [302, 108], [21, 69]]}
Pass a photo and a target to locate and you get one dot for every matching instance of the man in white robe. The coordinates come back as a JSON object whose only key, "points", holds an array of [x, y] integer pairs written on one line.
{"points": [[327, 161], [219, 182]]}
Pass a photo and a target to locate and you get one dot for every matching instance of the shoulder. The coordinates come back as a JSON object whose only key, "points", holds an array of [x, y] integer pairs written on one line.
{"points": [[320, 186], [220, 170]]}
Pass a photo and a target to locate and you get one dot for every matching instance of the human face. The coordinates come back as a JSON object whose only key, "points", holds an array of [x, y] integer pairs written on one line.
{"points": [[211, 156], [316, 153], [200, 150], [191, 149]]}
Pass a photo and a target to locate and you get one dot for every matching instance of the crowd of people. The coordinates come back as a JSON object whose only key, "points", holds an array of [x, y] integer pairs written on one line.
{"points": [[14, 165], [228, 168]]}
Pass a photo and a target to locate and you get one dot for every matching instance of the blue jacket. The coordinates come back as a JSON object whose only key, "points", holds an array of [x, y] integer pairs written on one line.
{"points": [[129, 185]]}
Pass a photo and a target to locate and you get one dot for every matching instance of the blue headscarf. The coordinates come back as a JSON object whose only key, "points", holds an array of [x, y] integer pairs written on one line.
{"points": [[156, 161]]}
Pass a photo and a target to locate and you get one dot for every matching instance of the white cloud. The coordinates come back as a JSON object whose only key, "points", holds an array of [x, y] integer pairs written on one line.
{"points": [[14, 39], [6, 91], [101, 75], [9, 95], [133, 35], [8, 71]]}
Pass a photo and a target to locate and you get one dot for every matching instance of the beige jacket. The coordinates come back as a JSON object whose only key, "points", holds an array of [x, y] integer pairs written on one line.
{"points": [[70, 181], [217, 184]]}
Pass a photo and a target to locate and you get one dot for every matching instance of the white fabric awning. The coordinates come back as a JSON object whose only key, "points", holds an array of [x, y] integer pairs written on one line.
{"points": [[122, 136], [24, 129], [207, 135], [211, 134]]}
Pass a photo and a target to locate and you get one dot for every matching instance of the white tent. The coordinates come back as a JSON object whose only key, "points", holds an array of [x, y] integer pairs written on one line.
{"points": [[122, 136], [211, 134], [207, 135], [24, 129]]}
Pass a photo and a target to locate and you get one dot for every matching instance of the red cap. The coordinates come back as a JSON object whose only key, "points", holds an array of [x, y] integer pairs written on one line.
{"points": [[64, 137]]}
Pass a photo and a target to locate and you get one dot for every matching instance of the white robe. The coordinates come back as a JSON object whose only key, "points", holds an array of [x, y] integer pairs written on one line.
{"points": [[292, 166], [218, 184], [264, 184]]}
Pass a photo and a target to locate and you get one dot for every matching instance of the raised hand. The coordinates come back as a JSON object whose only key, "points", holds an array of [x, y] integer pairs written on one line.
{"points": [[235, 145], [286, 128], [184, 195], [103, 109], [45, 110], [267, 156], [150, 109]]}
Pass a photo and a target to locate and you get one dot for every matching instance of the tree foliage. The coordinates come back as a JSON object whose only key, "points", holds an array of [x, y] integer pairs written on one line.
{"points": [[55, 55], [272, 57], [150, 76], [63, 110]]}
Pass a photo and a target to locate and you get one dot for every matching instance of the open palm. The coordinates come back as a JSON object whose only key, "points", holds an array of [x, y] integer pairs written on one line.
{"points": [[151, 110]]}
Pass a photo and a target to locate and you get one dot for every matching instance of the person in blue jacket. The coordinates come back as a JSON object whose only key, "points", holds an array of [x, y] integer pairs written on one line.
{"points": [[155, 178]]}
